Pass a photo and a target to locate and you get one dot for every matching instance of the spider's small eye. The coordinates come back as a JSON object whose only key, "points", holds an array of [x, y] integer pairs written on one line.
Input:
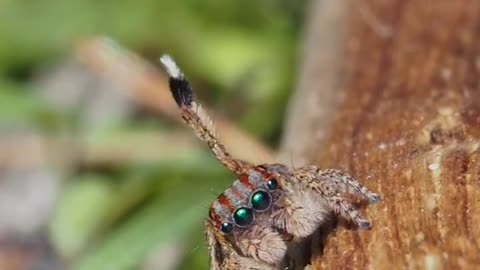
{"points": [[261, 200], [243, 216], [226, 227], [272, 184]]}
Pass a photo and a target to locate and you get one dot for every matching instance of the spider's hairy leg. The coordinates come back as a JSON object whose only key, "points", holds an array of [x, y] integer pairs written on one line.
{"points": [[344, 183], [329, 185], [346, 210], [195, 116]]}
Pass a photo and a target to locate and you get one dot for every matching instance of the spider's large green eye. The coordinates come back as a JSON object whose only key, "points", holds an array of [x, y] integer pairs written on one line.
{"points": [[243, 216], [261, 200]]}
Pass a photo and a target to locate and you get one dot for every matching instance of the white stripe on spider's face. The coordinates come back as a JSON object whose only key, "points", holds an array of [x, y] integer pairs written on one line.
{"points": [[242, 189], [235, 200], [256, 178]]}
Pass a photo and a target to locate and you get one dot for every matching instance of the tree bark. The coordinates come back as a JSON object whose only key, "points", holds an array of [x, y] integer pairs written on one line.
{"points": [[408, 127]]}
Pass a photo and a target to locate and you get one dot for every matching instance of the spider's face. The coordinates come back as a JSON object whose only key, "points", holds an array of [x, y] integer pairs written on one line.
{"points": [[241, 205]]}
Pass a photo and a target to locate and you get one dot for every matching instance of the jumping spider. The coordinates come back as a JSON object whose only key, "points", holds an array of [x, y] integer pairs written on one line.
{"points": [[250, 224]]}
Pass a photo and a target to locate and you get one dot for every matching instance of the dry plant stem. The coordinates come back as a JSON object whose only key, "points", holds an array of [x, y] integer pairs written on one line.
{"points": [[14, 146], [120, 149], [410, 126], [127, 149], [149, 88], [316, 96]]}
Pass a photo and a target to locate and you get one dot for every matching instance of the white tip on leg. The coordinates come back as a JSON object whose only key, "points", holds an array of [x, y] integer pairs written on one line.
{"points": [[170, 66]]}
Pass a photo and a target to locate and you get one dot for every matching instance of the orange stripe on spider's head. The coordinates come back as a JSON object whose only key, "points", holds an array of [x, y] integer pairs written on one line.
{"points": [[214, 216], [223, 200], [262, 171], [245, 181]]}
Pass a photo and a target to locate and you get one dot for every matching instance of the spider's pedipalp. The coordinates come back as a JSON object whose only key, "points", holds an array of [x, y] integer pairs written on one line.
{"points": [[263, 243]]}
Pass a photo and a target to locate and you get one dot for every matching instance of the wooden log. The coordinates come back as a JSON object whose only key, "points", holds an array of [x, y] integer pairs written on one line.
{"points": [[408, 126]]}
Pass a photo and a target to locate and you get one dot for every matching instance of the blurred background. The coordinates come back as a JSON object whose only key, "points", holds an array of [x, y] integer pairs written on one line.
{"points": [[95, 170]]}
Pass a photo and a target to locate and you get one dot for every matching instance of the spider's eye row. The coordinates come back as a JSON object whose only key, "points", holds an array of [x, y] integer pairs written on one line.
{"points": [[226, 227], [243, 216], [261, 200], [272, 184]]}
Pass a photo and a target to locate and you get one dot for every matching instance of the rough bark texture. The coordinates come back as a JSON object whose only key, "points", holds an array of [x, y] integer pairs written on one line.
{"points": [[409, 128]]}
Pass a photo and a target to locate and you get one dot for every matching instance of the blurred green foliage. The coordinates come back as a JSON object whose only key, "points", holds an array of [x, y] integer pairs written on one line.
{"points": [[239, 54]]}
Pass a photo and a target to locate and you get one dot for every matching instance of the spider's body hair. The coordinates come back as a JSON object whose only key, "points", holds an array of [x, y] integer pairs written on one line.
{"points": [[171, 67], [203, 117]]}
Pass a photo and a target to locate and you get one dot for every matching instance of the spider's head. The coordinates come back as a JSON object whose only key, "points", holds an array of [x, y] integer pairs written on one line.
{"points": [[249, 199]]}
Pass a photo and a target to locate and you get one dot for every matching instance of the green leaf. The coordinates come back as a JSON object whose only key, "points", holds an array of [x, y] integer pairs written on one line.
{"points": [[164, 220], [82, 205]]}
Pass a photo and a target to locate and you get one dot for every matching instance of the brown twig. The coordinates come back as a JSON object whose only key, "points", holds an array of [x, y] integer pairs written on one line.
{"points": [[120, 149]]}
